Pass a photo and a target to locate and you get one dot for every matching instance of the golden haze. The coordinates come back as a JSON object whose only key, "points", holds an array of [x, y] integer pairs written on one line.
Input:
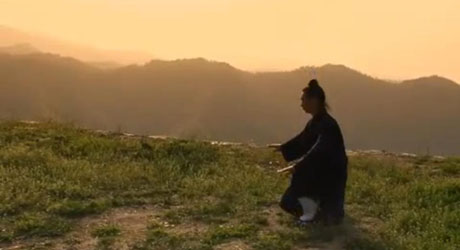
{"points": [[389, 39]]}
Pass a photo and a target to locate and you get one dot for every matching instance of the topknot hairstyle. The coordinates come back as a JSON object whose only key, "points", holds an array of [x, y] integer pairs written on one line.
{"points": [[315, 91]]}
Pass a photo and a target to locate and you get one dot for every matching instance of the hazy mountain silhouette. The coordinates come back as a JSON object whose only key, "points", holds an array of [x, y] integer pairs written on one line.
{"points": [[26, 49], [10, 37], [19, 49], [213, 100]]}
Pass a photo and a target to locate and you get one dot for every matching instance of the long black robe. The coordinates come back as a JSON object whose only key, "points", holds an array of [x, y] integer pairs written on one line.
{"points": [[321, 171]]}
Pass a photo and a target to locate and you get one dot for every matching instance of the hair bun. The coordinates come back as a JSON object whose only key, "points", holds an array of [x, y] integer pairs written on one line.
{"points": [[313, 83]]}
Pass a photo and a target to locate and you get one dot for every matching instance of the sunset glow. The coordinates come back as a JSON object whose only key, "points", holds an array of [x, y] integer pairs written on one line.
{"points": [[388, 39]]}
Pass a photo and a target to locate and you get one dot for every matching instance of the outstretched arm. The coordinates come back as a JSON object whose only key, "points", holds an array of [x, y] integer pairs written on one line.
{"points": [[322, 146], [299, 145], [294, 148]]}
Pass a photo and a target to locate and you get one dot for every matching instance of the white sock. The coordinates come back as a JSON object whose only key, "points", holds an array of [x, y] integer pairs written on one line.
{"points": [[309, 208]]}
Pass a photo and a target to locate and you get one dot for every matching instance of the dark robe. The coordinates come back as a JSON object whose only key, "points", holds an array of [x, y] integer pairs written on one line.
{"points": [[321, 170]]}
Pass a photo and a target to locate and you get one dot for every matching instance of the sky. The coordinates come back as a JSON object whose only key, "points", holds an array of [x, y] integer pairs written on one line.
{"points": [[390, 39]]}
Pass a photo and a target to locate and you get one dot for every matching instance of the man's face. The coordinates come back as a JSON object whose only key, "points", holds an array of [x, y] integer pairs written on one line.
{"points": [[308, 104], [305, 103]]}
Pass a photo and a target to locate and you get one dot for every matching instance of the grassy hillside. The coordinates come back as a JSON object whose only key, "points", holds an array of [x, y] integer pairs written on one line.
{"points": [[63, 187]]}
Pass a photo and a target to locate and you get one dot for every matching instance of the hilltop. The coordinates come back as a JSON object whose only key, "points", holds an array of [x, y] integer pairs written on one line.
{"points": [[63, 187]]}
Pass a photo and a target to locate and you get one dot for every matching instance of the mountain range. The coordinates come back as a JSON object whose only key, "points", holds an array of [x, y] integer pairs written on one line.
{"points": [[213, 100]]}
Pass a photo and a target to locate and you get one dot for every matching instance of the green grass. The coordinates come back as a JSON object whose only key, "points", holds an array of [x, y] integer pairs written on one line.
{"points": [[40, 225], [53, 175], [106, 235], [108, 230]]}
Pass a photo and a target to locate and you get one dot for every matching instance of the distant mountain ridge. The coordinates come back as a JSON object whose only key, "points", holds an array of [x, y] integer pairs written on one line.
{"points": [[19, 49], [12, 37], [213, 100], [434, 81]]}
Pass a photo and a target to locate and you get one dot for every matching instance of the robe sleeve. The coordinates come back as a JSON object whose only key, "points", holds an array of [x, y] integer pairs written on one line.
{"points": [[321, 148], [293, 149], [297, 146]]}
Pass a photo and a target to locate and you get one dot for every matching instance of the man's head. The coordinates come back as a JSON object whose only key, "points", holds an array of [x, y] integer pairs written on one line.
{"points": [[313, 98]]}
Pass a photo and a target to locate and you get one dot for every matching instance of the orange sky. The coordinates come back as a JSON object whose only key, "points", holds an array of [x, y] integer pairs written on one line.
{"points": [[389, 39]]}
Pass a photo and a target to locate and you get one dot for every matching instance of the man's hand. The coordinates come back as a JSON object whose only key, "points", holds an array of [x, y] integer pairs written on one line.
{"points": [[275, 146]]}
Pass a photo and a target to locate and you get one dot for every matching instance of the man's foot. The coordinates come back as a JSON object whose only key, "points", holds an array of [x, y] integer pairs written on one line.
{"points": [[303, 223]]}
